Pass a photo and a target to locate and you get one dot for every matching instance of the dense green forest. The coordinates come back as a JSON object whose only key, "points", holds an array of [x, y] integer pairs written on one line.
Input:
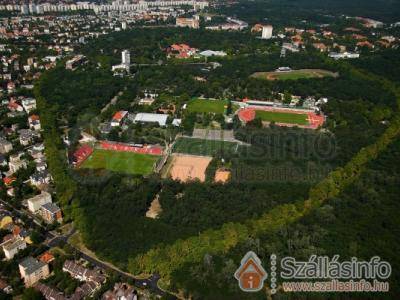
{"points": [[205, 228], [187, 210], [78, 92], [361, 221]]}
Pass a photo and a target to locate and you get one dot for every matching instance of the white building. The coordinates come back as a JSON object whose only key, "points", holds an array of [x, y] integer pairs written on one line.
{"points": [[29, 104], [343, 55], [125, 62], [13, 246], [5, 146], [266, 32], [209, 53], [33, 270], [126, 58], [161, 119], [35, 203]]}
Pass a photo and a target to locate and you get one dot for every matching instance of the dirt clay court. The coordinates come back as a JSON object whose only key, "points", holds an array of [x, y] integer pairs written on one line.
{"points": [[189, 167]]}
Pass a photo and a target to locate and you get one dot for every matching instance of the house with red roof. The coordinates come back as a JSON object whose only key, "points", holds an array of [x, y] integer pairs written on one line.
{"points": [[181, 51], [118, 118], [34, 122]]}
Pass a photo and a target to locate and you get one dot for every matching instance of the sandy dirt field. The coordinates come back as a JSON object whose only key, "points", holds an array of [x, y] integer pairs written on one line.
{"points": [[189, 167]]}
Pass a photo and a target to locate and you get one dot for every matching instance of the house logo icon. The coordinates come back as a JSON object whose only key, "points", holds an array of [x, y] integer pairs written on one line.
{"points": [[251, 274]]}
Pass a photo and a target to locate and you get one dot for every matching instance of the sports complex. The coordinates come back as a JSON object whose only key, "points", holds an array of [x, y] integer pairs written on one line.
{"points": [[294, 74], [282, 116], [188, 157], [119, 157]]}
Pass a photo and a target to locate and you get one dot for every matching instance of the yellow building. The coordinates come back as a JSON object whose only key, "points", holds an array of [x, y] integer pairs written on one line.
{"points": [[5, 220]]}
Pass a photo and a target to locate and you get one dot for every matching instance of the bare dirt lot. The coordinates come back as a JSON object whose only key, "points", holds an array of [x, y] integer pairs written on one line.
{"points": [[189, 167]]}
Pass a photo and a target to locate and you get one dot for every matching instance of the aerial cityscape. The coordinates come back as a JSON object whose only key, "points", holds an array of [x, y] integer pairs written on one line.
{"points": [[199, 149]]}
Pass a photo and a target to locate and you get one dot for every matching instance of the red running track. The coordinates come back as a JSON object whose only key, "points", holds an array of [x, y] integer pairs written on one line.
{"points": [[248, 114]]}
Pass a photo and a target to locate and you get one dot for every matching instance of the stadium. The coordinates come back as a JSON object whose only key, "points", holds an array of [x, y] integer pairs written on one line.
{"points": [[281, 116], [119, 157]]}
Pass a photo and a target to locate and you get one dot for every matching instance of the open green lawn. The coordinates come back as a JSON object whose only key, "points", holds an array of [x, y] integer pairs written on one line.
{"points": [[123, 162], [204, 147], [281, 117], [208, 106], [294, 74]]}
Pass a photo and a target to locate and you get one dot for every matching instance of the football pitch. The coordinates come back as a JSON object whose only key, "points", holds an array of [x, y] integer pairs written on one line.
{"points": [[294, 74], [195, 146], [282, 117], [208, 106], [121, 162]]}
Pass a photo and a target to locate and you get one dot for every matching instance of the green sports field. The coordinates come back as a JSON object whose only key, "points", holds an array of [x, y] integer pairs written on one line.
{"points": [[122, 162], [294, 74], [281, 117], [208, 106], [195, 146]]}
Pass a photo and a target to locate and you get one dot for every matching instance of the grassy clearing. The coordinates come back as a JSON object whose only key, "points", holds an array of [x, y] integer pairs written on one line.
{"points": [[122, 162], [294, 74], [204, 147], [281, 117], [208, 106]]}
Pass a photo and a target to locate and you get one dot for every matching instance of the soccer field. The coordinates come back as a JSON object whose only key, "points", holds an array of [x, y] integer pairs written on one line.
{"points": [[122, 162], [282, 117], [204, 147], [208, 106], [294, 74]]}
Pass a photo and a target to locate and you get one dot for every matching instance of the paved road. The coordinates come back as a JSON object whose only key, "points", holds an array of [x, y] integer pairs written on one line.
{"points": [[54, 239]]}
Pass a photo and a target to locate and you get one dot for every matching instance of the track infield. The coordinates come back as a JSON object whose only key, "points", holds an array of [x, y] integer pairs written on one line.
{"points": [[121, 162], [294, 74], [282, 117]]}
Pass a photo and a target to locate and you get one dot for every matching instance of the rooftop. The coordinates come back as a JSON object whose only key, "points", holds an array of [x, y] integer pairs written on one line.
{"points": [[31, 265], [148, 117], [51, 207]]}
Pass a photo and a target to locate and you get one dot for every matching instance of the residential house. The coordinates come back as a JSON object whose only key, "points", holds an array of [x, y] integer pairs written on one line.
{"points": [[187, 22], [13, 105], [41, 166], [49, 293], [5, 287], [29, 104], [5, 146], [34, 122], [3, 161], [81, 273], [40, 178], [181, 51], [36, 202], [32, 270], [50, 212], [118, 118], [16, 163], [46, 257], [5, 219], [10, 87], [121, 291], [25, 136], [13, 246]]}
